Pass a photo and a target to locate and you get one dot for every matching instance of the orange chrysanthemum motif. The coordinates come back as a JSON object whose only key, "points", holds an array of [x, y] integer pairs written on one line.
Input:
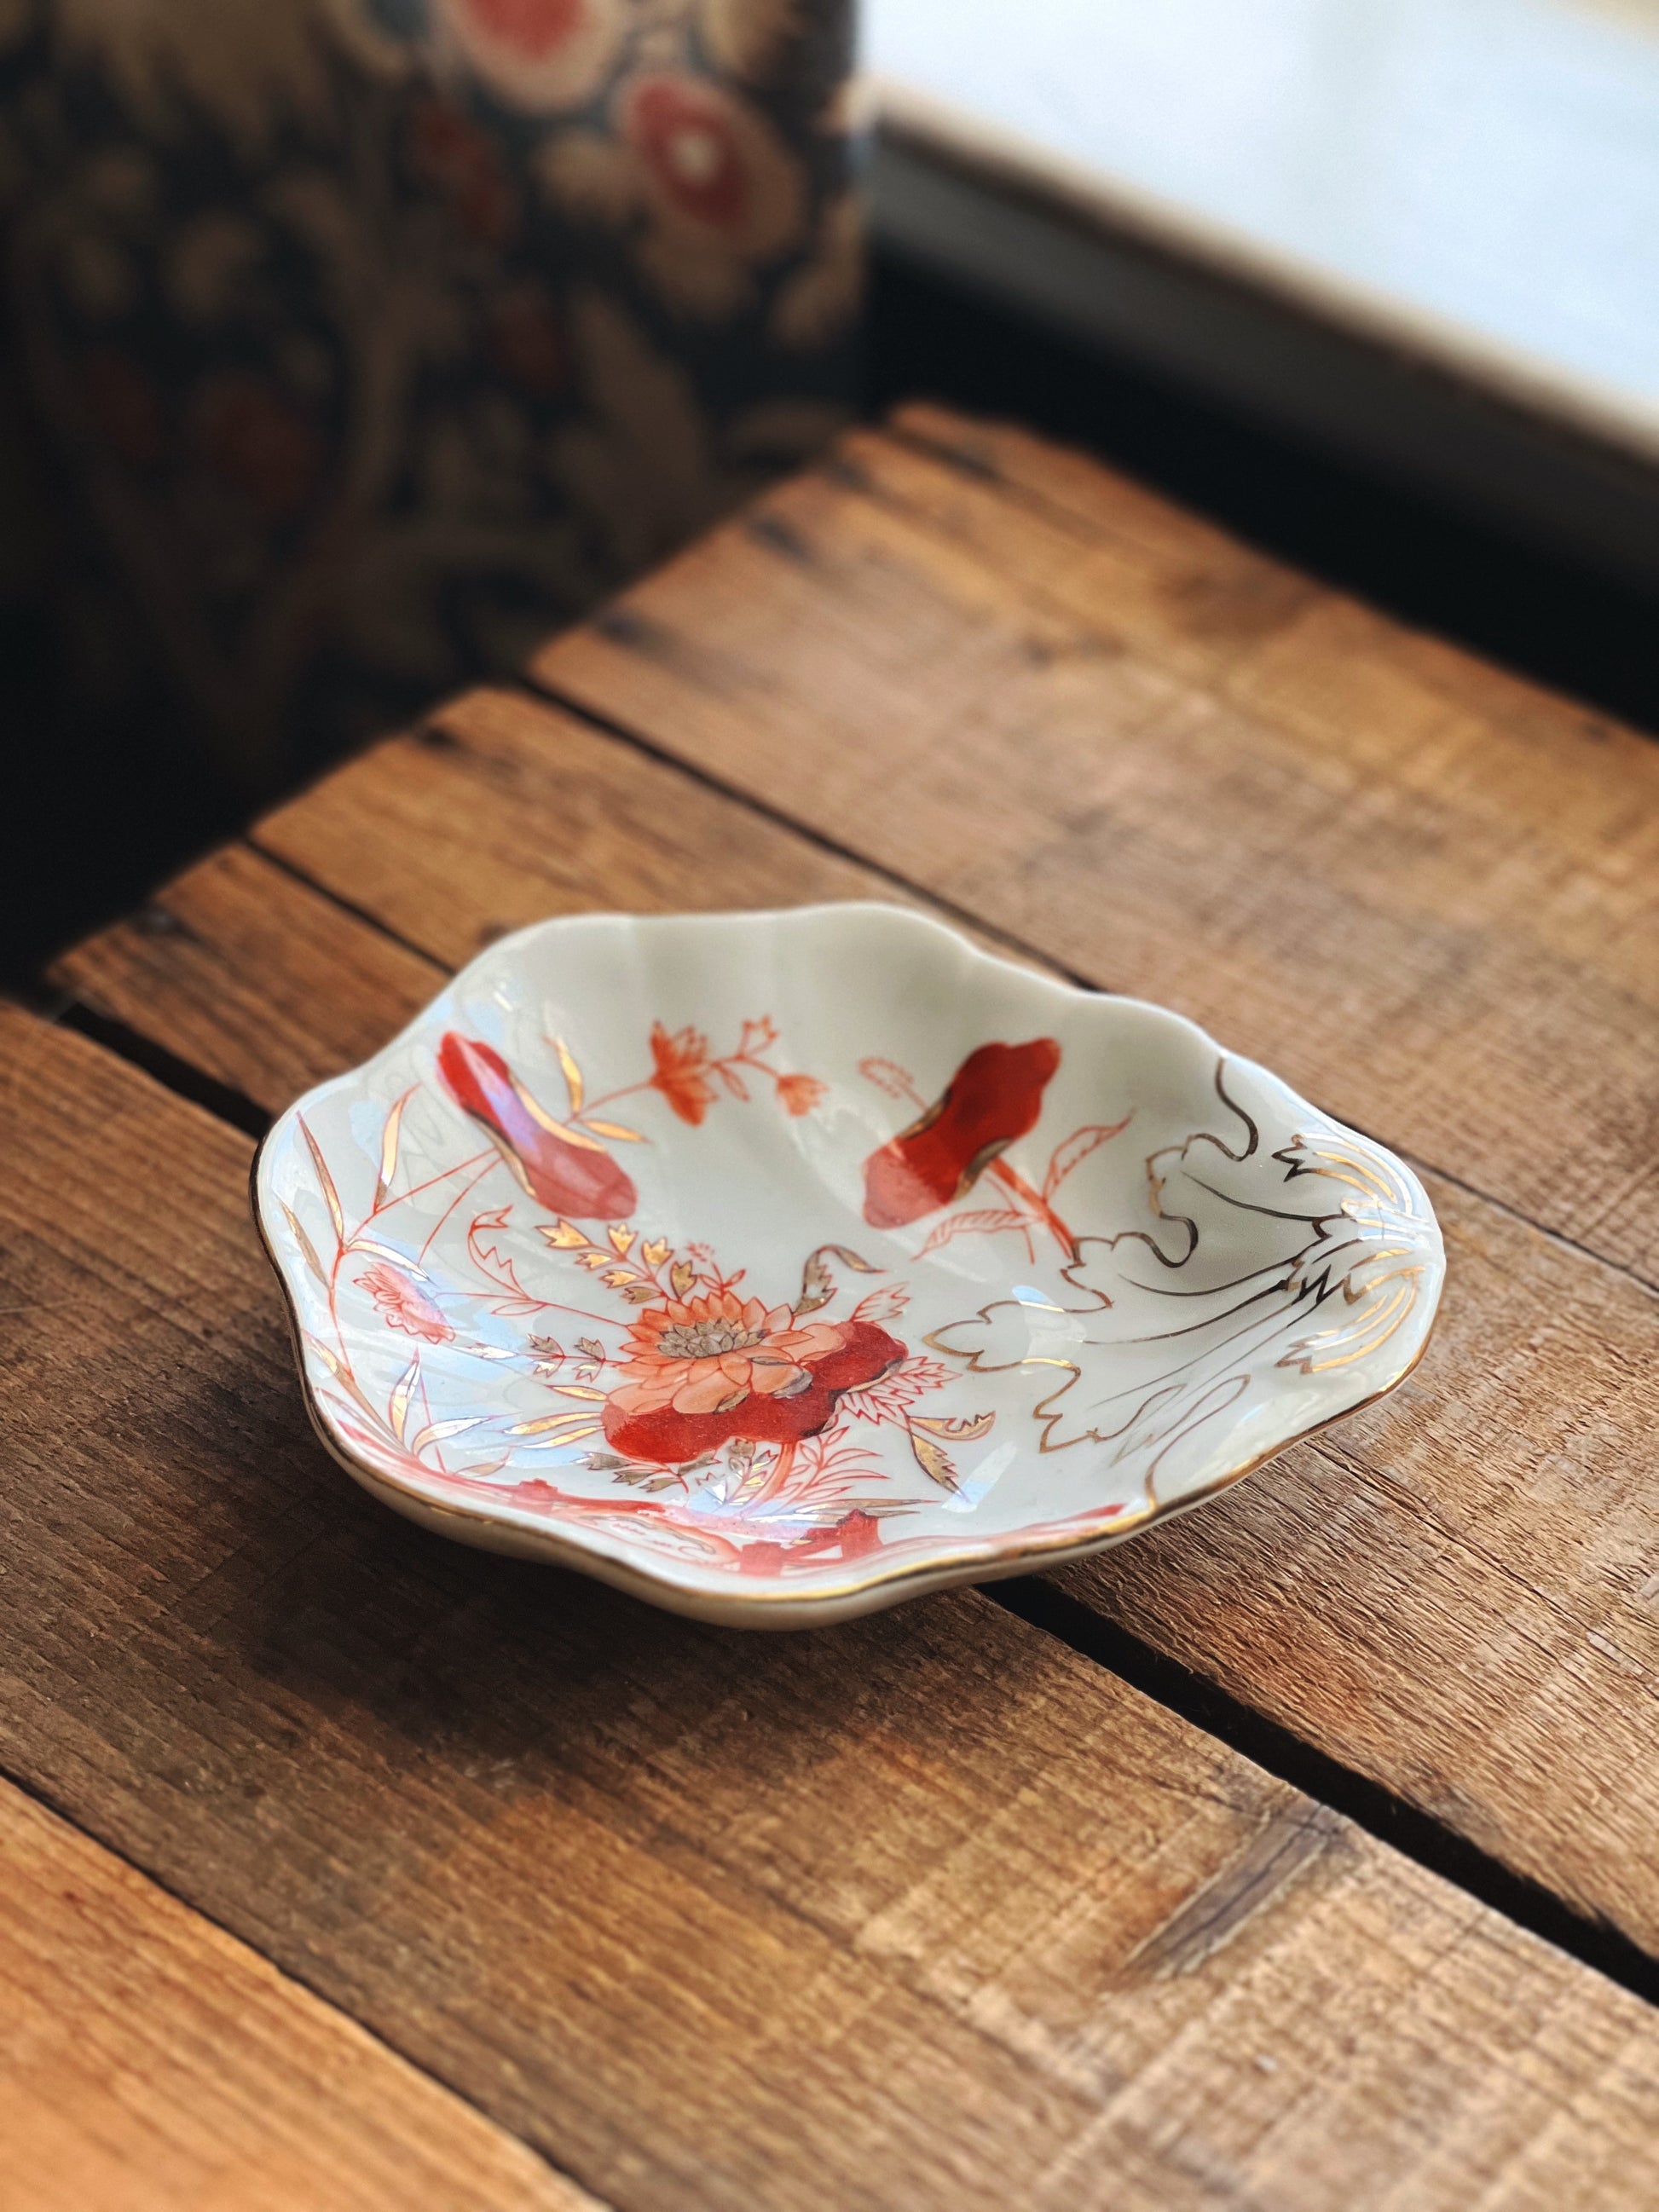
{"points": [[698, 1372], [801, 1093], [404, 1305], [680, 1061]]}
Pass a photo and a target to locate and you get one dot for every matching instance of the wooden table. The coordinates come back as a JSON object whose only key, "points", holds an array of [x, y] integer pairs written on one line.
{"points": [[343, 1867]]}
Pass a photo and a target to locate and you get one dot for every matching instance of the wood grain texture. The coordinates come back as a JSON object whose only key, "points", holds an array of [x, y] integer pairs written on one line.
{"points": [[492, 818], [497, 814], [222, 967], [149, 2063], [923, 1910], [1456, 1593], [1428, 895]]}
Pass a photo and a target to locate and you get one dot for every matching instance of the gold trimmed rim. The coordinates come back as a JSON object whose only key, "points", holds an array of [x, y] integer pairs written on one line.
{"points": [[994, 1559]]}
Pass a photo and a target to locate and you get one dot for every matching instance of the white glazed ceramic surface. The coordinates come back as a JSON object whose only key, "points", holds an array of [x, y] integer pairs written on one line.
{"points": [[777, 1265]]}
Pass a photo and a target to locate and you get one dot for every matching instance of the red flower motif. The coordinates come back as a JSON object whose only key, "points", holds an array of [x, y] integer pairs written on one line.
{"points": [[801, 1093], [994, 1098], [699, 1373], [534, 29], [680, 1061], [685, 134], [253, 438], [539, 55], [563, 1169], [457, 156], [404, 1305]]}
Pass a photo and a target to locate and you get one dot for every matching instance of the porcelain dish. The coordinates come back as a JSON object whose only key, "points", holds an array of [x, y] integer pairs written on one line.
{"points": [[774, 1267]]}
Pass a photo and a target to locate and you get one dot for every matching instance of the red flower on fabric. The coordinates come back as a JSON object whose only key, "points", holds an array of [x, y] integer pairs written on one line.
{"points": [[404, 1305], [563, 1169], [680, 1060], [534, 29], [994, 1099], [253, 437], [545, 56], [698, 1372], [465, 164], [685, 134]]}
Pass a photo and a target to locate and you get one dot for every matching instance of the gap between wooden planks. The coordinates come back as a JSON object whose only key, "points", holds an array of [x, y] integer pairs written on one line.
{"points": [[1453, 1594], [924, 1910], [149, 2063]]}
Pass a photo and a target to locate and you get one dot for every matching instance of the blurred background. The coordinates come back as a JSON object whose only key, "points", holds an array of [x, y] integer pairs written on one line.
{"points": [[351, 345]]}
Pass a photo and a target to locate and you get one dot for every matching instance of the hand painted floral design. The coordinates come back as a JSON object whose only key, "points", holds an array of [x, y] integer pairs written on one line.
{"points": [[749, 1408], [703, 1374], [995, 1097], [703, 1367], [404, 1305], [737, 1431], [799, 1094], [687, 1073], [565, 1169], [928, 1393], [695, 1376], [682, 1061], [566, 1164]]}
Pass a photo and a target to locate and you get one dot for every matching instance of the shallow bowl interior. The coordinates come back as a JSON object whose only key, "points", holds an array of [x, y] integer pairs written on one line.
{"points": [[774, 1265]]}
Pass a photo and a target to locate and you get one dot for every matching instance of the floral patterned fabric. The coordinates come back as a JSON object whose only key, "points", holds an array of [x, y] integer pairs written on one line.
{"points": [[374, 337]]}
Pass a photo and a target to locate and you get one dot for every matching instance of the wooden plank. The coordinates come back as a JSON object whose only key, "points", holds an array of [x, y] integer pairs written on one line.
{"points": [[922, 1910], [1456, 1593], [1180, 590], [557, 818], [149, 2061], [1429, 898], [497, 814], [1195, 562], [221, 967]]}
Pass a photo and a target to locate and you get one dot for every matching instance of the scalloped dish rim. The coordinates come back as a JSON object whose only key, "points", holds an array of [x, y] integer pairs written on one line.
{"points": [[757, 1601]]}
